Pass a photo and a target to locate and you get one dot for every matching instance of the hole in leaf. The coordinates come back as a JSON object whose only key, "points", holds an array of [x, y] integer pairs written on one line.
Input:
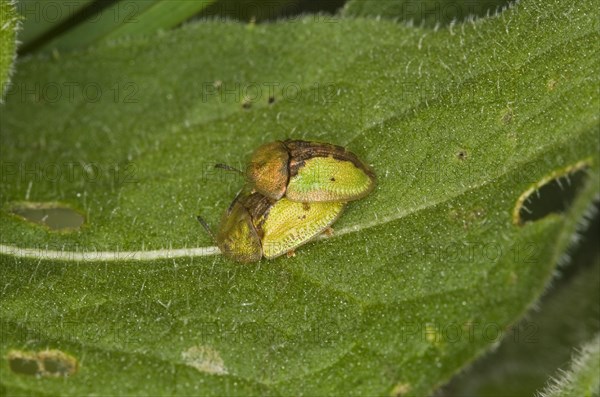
{"points": [[57, 363], [55, 216], [551, 195], [23, 363], [49, 363]]}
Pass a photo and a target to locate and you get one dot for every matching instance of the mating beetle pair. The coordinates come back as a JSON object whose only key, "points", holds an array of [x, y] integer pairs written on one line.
{"points": [[298, 189]]}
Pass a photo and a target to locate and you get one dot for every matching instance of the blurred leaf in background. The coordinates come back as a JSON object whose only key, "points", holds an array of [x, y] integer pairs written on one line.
{"points": [[75, 24], [581, 379], [567, 317], [69, 25], [8, 41], [428, 13]]}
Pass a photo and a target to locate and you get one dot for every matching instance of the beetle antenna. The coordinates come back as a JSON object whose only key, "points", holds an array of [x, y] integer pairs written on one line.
{"points": [[235, 199], [228, 168], [206, 227]]}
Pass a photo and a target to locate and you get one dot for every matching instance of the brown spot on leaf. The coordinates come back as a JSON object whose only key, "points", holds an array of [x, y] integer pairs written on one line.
{"points": [[507, 116], [328, 231]]}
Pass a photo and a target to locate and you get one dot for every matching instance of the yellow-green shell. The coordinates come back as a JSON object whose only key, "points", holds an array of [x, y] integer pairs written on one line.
{"points": [[256, 226], [290, 224], [309, 172], [237, 237], [326, 179]]}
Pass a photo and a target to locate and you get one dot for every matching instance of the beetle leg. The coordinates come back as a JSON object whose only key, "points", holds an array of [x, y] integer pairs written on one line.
{"points": [[291, 253], [328, 231]]}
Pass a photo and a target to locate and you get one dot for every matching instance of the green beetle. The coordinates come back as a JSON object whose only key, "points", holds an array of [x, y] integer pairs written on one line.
{"points": [[309, 172], [255, 226]]}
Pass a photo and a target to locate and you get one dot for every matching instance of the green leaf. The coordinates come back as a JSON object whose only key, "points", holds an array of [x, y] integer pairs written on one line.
{"points": [[543, 341], [582, 378], [41, 17], [9, 23], [421, 277], [427, 12], [256, 10], [161, 15], [127, 18]]}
